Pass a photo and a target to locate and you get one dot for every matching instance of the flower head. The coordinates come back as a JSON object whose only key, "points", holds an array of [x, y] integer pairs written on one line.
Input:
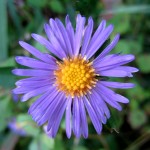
{"points": [[69, 77], [16, 127]]}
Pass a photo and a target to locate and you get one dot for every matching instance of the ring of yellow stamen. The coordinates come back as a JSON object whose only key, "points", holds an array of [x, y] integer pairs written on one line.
{"points": [[75, 76]]}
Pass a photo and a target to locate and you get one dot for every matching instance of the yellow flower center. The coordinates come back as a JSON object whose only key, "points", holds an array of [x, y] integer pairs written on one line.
{"points": [[75, 76]]}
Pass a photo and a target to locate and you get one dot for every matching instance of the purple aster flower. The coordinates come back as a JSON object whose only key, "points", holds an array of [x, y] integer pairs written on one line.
{"points": [[69, 78], [16, 128]]}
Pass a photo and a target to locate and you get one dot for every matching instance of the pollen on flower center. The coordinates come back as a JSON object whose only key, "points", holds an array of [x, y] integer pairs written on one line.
{"points": [[75, 76]]}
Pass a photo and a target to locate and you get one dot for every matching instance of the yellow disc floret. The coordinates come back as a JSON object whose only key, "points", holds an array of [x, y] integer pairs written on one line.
{"points": [[75, 76]]}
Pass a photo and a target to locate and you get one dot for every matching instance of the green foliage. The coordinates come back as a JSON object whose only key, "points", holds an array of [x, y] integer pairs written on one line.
{"points": [[143, 62]]}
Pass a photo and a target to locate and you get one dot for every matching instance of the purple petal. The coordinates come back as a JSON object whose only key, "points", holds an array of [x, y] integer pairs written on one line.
{"points": [[87, 36], [65, 35], [76, 117], [54, 41], [108, 96], [46, 43], [115, 73], [127, 69], [40, 112], [93, 47], [48, 133], [42, 99], [98, 31], [68, 117], [117, 84], [33, 63], [35, 52], [93, 116], [70, 32], [97, 109], [32, 72], [59, 117], [22, 90], [31, 79], [48, 109], [80, 21], [34, 93], [34, 83], [84, 126], [53, 108], [112, 61], [108, 48], [58, 34], [100, 103]]}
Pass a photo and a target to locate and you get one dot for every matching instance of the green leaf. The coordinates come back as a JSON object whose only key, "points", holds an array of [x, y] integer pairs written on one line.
{"points": [[46, 142], [42, 142], [129, 9], [80, 148], [10, 62], [137, 118], [56, 6], [15, 17], [126, 47], [5, 111], [115, 121], [143, 62], [37, 3], [7, 79], [3, 30], [121, 23]]}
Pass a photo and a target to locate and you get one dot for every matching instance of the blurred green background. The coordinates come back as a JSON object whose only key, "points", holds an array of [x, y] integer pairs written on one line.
{"points": [[126, 130]]}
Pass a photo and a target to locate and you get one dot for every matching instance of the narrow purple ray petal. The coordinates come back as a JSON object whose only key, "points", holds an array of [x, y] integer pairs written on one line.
{"points": [[68, 117], [112, 61], [70, 32], [65, 35], [34, 63], [48, 133], [99, 30], [115, 73], [99, 41], [42, 115], [51, 112], [35, 92], [101, 104], [76, 117], [48, 109], [54, 41], [41, 99], [22, 90], [39, 112], [112, 95], [108, 96], [93, 116], [32, 79], [35, 52], [117, 84], [46, 43], [35, 83], [127, 69], [58, 34], [121, 99], [32, 72], [108, 48], [87, 36], [101, 116], [80, 21], [59, 117], [84, 125]]}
